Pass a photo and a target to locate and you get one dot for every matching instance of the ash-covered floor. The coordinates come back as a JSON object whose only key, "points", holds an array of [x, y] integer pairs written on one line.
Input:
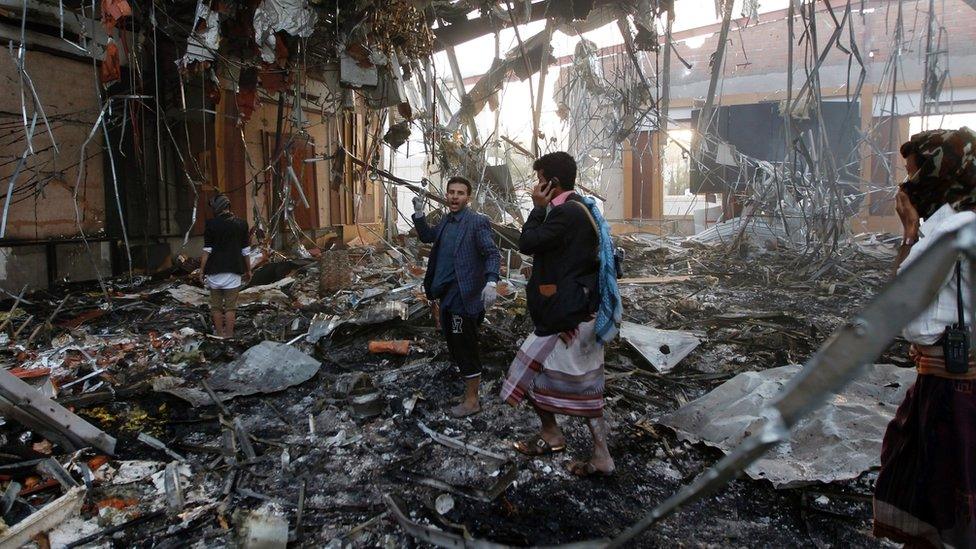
{"points": [[313, 451]]}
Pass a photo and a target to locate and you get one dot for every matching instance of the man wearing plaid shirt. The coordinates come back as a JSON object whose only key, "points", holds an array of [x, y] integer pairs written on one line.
{"points": [[462, 273]]}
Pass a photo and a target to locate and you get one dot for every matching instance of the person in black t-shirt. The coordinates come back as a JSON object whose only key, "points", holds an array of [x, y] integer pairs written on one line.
{"points": [[224, 266]]}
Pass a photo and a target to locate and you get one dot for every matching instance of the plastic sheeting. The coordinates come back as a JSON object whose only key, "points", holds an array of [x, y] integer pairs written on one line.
{"points": [[838, 441]]}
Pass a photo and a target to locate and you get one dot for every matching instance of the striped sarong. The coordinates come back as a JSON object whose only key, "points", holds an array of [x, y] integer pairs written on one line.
{"points": [[561, 373], [925, 495]]}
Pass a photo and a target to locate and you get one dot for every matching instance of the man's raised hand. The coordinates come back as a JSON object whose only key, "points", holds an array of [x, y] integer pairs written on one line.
{"points": [[543, 193]]}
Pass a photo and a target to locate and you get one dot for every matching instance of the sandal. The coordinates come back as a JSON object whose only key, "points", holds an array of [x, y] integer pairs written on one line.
{"points": [[586, 469], [537, 447]]}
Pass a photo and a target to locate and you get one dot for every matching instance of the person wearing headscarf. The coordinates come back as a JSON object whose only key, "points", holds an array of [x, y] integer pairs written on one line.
{"points": [[224, 265], [925, 495]]}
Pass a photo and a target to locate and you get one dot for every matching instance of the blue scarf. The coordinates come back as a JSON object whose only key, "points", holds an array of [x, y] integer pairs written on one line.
{"points": [[611, 309]]}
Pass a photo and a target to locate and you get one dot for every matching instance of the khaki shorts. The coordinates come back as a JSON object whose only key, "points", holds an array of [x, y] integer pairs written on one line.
{"points": [[224, 300]]}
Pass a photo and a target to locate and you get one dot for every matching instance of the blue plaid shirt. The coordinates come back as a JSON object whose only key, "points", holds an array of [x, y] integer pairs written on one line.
{"points": [[475, 260], [445, 286]]}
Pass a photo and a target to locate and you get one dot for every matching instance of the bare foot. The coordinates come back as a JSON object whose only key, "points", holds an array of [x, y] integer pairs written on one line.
{"points": [[600, 462], [464, 410], [594, 467]]}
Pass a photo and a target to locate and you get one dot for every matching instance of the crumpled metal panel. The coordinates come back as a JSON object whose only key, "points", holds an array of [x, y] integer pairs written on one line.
{"points": [[292, 16], [267, 367], [838, 441], [828, 371], [354, 75], [323, 325], [663, 349], [205, 39]]}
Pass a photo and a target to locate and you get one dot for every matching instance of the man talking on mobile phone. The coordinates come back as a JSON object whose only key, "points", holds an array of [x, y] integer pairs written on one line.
{"points": [[575, 305]]}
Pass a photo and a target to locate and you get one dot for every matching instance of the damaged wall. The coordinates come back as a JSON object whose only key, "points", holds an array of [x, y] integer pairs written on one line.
{"points": [[177, 138], [339, 201], [757, 57], [756, 69], [260, 136], [42, 205]]}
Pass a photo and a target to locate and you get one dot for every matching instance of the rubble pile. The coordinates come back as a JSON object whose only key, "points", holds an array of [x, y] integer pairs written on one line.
{"points": [[323, 423]]}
